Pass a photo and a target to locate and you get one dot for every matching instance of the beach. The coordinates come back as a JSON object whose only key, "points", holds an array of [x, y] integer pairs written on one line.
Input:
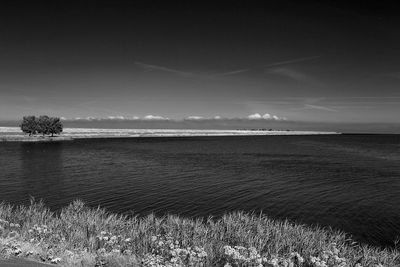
{"points": [[15, 134]]}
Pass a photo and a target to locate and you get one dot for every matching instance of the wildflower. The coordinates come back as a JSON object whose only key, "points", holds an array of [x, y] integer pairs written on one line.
{"points": [[297, 257], [55, 260], [17, 251], [28, 253], [274, 262], [117, 251], [13, 234], [127, 252]]}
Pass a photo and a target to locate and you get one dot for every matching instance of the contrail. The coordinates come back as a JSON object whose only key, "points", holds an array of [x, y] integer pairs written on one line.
{"points": [[286, 62], [185, 73], [155, 67], [320, 108], [229, 73]]}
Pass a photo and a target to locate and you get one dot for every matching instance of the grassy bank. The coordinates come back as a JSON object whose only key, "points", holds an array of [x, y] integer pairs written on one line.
{"points": [[82, 236], [26, 138]]}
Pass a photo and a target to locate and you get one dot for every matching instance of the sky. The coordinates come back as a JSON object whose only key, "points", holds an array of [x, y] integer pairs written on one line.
{"points": [[311, 63]]}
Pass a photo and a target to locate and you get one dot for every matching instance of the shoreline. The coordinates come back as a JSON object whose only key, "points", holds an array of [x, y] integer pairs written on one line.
{"points": [[13, 134], [236, 239]]}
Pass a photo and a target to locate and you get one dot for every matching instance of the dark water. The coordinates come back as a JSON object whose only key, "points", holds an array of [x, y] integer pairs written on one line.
{"points": [[349, 182]]}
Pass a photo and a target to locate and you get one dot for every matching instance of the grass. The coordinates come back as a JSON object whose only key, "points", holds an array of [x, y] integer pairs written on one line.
{"points": [[82, 236], [36, 138]]}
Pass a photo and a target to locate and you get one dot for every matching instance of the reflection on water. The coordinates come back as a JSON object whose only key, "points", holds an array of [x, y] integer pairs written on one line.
{"points": [[347, 182]]}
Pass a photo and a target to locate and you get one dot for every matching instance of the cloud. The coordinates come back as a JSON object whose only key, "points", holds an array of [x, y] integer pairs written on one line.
{"points": [[91, 118], [108, 118], [155, 117], [150, 67], [266, 116], [255, 116], [192, 118], [229, 73], [291, 61], [116, 117], [291, 74], [296, 75], [308, 106]]}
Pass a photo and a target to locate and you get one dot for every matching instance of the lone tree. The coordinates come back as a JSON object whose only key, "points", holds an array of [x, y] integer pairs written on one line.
{"points": [[44, 125], [29, 125]]}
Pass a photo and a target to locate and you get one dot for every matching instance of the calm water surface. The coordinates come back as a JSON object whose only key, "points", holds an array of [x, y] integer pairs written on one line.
{"points": [[349, 182]]}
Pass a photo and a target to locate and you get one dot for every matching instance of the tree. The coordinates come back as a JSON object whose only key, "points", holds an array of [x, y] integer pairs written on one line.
{"points": [[29, 125], [56, 126], [44, 125]]}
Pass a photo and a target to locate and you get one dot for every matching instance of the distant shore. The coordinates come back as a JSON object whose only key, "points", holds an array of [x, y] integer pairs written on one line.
{"points": [[14, 134]]}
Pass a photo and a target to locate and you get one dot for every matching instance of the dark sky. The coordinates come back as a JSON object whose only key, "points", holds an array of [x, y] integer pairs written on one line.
{"points": [[314, 61]]}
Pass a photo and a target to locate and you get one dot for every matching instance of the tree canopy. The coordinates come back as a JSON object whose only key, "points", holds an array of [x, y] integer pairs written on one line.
{"points": [[29, 125], [43, 125]]}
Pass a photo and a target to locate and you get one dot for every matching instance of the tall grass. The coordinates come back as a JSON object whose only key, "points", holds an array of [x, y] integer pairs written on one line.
{"points": [[79, 235]]}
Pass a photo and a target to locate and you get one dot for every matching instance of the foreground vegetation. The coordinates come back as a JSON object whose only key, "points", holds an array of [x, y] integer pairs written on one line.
{"points": [[82, 236]]}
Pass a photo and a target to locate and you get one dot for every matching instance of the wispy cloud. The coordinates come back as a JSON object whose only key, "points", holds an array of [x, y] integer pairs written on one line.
{"points": [[291, 61], [308, 106], [293, 75], [150, 67], [234, 72]]}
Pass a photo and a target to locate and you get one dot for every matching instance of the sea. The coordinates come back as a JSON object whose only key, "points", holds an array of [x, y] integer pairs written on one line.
{"points": [[346, 182]]}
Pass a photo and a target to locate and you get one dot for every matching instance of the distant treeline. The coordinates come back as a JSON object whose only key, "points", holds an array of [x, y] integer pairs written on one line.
{"points": [[44, 125]]}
